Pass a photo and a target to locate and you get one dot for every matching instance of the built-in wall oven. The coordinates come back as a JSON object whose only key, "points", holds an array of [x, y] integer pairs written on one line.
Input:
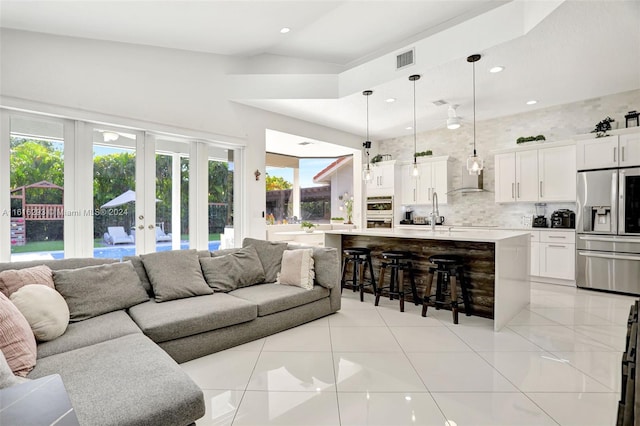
{"points": [[608, 230], [379, 212]]}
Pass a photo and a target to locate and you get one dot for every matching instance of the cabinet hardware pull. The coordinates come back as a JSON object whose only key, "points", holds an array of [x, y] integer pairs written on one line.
{"points": [[609, 239], [615, 159], [518, 189], [557, 236], [513, 191], [557, 246], [541, 195], [622, 153], [606, 256]]}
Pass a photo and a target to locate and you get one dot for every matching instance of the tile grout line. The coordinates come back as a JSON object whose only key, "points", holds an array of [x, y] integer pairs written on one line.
{"points": [[244, 392]]}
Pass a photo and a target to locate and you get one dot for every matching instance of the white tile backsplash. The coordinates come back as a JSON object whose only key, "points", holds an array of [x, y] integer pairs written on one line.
{"points": [[555, 123]]}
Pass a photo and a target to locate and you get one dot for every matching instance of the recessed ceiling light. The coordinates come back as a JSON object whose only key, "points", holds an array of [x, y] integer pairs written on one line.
{"points": [[408, 128], [532, 102], [390, 100], [284, 30], [497, 69]]}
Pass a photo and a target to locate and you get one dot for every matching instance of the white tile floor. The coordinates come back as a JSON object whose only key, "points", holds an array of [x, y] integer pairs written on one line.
{"points": [[557, 363]]}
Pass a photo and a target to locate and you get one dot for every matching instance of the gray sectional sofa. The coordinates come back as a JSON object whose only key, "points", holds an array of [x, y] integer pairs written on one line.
{"points": [[121, 367]]}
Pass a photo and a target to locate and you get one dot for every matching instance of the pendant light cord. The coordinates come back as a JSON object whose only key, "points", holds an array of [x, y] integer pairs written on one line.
{"points": [[415, 145], [474, 109]]}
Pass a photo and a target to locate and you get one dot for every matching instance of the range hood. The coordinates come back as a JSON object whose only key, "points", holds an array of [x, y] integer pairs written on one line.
{"points": [[470, 183]]}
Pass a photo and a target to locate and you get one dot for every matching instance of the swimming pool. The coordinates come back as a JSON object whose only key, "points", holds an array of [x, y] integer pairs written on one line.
{"points": [[118, 252]]}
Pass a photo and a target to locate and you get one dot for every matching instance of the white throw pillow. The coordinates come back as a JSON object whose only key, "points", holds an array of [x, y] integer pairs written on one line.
{"points": [[44, 308], [297, 268]]}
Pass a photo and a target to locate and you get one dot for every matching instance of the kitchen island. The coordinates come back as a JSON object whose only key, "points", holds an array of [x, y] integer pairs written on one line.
{"points": [[497, 262]]}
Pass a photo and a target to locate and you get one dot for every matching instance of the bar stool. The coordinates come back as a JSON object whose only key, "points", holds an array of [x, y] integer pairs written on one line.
{"points": [[398, 262], [449, 270], [359, 258]]}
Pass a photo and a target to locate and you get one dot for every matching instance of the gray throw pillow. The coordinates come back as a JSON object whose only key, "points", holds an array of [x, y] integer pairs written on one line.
{"points": [[175, 274], [241, 268], [96, 290], [142, 273], [270, 254]]}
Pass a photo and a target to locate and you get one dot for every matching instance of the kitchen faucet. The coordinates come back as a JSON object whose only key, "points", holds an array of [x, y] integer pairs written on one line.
{"points": [[434, 211]]}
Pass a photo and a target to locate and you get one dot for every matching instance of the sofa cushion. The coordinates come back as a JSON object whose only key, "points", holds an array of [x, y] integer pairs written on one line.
{"points": [[175, 274], [89, 332], [272, 298], [44, 308], [239, 269], [136, 261], [186, 317], [125, 381], [297, 268], [13, 279], [270, 254], [95, 290], [17, 342], [7, 378]]}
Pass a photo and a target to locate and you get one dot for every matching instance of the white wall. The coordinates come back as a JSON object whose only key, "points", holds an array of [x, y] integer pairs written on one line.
{"points": [[154, 89], [555, 123], [341, 182]]}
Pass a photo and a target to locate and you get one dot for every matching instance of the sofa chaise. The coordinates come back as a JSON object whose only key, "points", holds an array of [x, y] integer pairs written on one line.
{"points": [[121, 367]]}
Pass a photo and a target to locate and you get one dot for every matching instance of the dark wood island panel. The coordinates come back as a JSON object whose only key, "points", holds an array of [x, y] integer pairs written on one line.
{"points": [[478, 257]]}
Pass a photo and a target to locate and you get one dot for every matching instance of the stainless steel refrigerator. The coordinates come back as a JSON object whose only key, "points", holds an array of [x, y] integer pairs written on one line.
{"points": [[608, 230]]}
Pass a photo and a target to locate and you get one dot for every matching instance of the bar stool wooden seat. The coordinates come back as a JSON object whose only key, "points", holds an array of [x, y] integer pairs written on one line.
{"points": [[449, 271], [398, 262], [360, 260]]}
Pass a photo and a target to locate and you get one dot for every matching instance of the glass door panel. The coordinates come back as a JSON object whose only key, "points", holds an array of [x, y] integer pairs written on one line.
{"points": [[114, 196], [36, 179], [220, 197]]}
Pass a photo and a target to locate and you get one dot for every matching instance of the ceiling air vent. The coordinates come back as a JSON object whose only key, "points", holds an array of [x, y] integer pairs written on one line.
{"points": [[405, 59]]}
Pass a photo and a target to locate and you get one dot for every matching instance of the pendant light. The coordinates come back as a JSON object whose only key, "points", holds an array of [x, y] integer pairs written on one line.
{"points": [[415, 172], [366, 173], [474, 162]]}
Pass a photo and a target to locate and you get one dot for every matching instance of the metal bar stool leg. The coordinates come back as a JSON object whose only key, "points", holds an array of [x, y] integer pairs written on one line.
{"points": [[379, 292], [344, 273], [355, 275], [373, 278], [401, 288], [465, 291], [454, 297], [361, 284], [414, 291]]}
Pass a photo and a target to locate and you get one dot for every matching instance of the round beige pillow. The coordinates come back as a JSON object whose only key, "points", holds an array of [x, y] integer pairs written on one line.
{"points": [[44, 308]]}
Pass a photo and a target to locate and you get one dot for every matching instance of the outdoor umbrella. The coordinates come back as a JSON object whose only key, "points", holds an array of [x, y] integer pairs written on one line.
{"points": [[124, 198]]}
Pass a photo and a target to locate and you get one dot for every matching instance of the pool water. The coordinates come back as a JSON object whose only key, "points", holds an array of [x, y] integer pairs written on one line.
{"points": [[118, 252]]}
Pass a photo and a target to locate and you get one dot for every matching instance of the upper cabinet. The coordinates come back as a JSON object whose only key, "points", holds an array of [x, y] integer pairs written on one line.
{"points": [[543, 174], [608, 152], [433, 176], [383, 179]]}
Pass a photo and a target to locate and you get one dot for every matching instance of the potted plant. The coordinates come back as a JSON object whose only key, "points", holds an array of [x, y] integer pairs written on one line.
{"points": [[307, 226], [603, 127], [337, 220], [423, 153]]}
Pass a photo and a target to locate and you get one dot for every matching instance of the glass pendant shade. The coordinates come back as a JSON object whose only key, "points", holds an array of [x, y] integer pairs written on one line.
{"points": [[366, 174], [415, 173], [474, 165]]}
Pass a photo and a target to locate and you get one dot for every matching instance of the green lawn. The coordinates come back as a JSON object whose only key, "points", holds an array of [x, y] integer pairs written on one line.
{"points": [[59, 245]]}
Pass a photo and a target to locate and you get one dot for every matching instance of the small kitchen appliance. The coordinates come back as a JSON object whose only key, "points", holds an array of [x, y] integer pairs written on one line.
{"points": [[540, 221], [563, 218], [408, 218]]}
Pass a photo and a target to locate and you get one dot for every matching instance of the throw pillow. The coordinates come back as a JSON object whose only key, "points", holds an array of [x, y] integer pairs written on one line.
{"points": [[96, 290], [270, 254], [241, 268], [12, 279], [45, 310], [297, 268], [136, 261], [175, 274], [16, 339], [7, 378]]}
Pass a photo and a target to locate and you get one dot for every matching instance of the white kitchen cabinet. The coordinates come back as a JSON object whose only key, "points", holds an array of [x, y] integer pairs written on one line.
{"points": [[432, 177], [535, 253], [557, 173], [517, 176], [557, 255], [629, 150], [609, 151], [532, 175], [383, 178]]}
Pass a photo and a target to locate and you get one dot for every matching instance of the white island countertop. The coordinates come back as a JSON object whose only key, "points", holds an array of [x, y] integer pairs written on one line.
{"points": [[511, 285], [485, 235]]}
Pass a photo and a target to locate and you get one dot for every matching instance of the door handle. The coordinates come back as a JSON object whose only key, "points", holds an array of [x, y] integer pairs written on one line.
{"points": [[609, 256], [610, 240]]}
